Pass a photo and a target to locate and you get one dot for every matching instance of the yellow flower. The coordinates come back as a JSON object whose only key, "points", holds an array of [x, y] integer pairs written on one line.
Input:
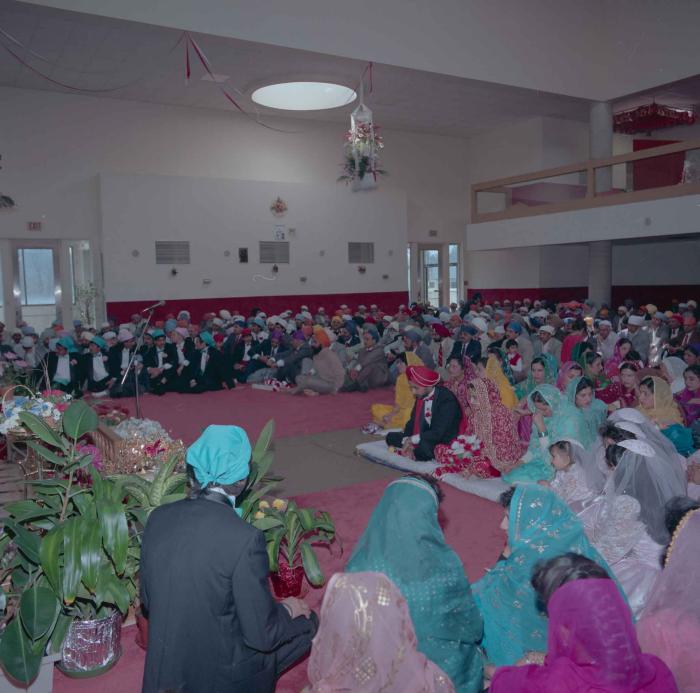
{"points": [[279, 504], [259, 515], [263, 504]]}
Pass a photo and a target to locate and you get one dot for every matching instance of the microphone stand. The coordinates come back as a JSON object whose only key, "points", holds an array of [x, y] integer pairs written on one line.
{"points": [[132, 366]]}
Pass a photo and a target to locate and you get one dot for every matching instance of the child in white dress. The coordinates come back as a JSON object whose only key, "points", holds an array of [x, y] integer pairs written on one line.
{"points": [[577, 480]]}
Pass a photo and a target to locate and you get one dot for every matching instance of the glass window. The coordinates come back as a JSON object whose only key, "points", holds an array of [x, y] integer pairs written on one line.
{"points": [[454, 272], [431, 257], [36, 277]]}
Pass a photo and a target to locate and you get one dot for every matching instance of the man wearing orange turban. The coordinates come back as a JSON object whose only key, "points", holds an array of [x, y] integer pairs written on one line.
{"points": [[327, 374], [436, 416]]}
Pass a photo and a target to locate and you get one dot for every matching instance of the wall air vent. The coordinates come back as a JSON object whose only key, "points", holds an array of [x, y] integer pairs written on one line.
{"points": [[360, 253], [172, 252], [276, 252]]}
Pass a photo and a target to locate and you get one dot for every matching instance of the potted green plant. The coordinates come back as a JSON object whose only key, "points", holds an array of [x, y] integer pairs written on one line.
{"points": [[290, 531], [145, 495], [68, 561], [290, 534]]}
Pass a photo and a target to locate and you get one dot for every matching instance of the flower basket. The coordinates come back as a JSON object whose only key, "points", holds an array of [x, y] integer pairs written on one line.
{"points": [[287, 582]]}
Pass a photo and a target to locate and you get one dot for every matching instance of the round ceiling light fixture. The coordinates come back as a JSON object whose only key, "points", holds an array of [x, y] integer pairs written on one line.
{"points": [[304, 96]]}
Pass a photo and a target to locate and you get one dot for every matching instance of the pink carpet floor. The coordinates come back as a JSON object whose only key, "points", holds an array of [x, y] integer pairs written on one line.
{"points": [[186, 416], [471, 528]]}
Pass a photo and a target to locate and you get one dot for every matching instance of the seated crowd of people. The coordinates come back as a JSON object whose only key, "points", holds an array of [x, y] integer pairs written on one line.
{"points": [[592, 420]]}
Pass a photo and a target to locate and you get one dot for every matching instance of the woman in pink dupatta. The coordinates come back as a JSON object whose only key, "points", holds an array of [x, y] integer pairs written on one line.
{"points": [[591, 646], [567, 372], [612, 365], [495, 426], [366, 641], [670, 623]]}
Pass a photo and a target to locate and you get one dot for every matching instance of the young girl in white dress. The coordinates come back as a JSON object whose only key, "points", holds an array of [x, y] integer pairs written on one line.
{"points": [[577, 480]]}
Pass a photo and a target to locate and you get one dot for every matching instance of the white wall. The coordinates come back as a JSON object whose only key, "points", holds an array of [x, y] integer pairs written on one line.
{"points": [[637, 263], [657, 263], [56, 144], [218, 215], [597, 50], [671, 216]]}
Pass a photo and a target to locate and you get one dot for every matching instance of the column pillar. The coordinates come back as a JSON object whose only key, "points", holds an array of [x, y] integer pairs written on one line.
{"points": [[600, 142], [600, 252], [600, 272], [415, 282]]}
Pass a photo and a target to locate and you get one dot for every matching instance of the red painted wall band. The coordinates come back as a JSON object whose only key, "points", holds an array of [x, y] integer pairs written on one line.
{"points": [[388, 301]]}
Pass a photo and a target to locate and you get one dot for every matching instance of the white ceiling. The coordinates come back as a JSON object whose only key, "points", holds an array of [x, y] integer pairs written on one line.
{"points": [[97, 52], [593, 49]]}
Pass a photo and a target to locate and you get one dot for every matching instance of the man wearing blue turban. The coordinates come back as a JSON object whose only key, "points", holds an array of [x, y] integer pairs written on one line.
{"points": [[213, 625], [62, 367]]}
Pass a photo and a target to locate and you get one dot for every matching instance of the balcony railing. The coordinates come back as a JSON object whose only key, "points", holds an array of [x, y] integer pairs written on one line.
{"points": [[671, 170]]}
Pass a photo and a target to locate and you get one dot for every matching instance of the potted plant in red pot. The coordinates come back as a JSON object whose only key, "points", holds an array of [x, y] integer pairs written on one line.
{"points": [[290, 533]]}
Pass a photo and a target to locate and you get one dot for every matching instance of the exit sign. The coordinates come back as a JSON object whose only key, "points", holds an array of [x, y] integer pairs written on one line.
{"points": [[33, 226]]}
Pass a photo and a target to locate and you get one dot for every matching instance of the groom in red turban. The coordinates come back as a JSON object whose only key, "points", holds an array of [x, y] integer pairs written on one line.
{"points": [[435, 418]]}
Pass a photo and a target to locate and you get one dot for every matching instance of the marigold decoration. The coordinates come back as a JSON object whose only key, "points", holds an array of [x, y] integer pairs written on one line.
{"points": [[652, 116], [363, 142], [279, 207]]}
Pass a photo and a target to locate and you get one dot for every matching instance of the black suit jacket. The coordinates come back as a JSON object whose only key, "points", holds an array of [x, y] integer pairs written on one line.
{"points": [[473, 350], [150, 359], [239, 351], [52, 364], [114, 361], [446, 416], [216, 372], [86, 370], [213, 625]]}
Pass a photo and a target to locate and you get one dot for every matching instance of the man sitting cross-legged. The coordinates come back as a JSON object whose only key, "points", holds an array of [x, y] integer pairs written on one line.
{"points": [[436, 416]]}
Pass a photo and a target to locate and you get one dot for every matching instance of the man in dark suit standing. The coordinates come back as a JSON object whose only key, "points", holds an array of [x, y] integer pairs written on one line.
{"points": [[213, 626], [435, 418]]}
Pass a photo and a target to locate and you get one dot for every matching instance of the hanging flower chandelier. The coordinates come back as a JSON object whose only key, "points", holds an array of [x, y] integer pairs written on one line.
{"points": [[363, 142], [653, 116]]}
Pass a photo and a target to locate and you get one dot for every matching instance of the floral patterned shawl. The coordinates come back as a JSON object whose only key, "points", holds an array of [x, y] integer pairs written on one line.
{"points": [[495, 426], [541, 526]]}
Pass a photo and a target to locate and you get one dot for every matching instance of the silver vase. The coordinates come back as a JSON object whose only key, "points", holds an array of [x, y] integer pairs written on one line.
{"points": [[92, 645]]}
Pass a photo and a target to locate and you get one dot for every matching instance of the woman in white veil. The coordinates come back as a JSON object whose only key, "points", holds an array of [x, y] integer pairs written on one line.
{"points": [[645, 473], [677, 464], [626, 523]]}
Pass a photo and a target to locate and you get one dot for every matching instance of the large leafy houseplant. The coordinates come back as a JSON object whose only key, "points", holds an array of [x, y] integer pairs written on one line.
{"points": [[290, 531], [67, 552]]}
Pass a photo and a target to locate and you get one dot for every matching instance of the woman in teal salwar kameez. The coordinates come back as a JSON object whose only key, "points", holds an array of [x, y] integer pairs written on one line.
{"points": [[404, 541], [593, 411], [540, 526], [543, 370], [562, 421]]}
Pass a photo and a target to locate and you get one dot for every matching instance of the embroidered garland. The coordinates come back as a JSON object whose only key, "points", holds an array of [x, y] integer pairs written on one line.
{"points": [[676, 534]]}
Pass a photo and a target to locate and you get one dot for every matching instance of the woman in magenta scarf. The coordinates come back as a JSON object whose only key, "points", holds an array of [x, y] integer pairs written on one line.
{"points": [[688, 399], [591, 645]]}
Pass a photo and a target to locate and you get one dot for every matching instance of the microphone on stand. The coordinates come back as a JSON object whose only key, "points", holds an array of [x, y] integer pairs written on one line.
{"points": [[153, 307]]}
